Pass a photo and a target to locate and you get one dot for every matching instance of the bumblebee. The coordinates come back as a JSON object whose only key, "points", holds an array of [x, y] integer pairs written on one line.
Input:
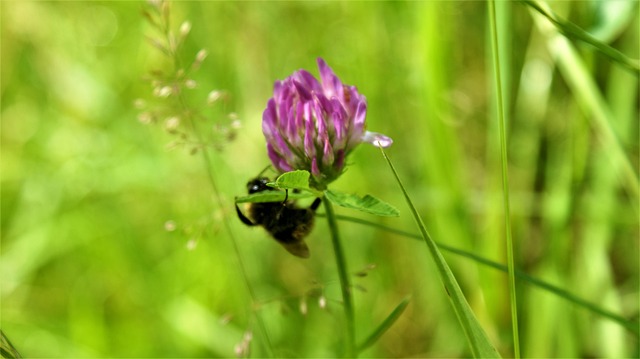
{"points": [[287, 223]]}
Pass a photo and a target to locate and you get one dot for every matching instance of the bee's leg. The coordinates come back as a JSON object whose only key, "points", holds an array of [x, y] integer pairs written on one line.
{"points": [[286, 196], [315, 204], [243, 218]]}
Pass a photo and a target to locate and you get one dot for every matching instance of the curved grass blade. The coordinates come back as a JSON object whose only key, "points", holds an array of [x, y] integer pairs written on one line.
{"points": [[7, 349], [385, 325], [590, 99], [571, 30], [632, 326], [476, 337]]}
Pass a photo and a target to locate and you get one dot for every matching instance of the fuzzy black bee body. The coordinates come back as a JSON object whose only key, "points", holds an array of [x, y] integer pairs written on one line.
{"points": [[287, 223]]}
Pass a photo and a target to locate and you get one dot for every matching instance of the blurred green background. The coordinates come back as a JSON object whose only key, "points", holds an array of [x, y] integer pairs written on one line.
{"points": [[115, 245]]}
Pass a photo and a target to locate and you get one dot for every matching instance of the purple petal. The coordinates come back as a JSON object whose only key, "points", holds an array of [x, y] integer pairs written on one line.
{"points": [[280, 164], [296, 125], [269, 117], [359, 118], [277, 89], [304, 93], [323, 101], [340, 116], [354, 98], [282, 90], [283, 110], [331, 84], [315, 171], [308, 80], [309, 136], [327, 154], [321, 125], [284, 166], [280, 145], [273, 155]]}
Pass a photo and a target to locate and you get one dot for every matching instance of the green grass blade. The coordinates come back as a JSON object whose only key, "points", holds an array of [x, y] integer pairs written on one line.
{"points": [[476, 337], [573, 31], [385, 325], [505, 175], [632, 326], [590, 99], [345, 284], [6, 348]]}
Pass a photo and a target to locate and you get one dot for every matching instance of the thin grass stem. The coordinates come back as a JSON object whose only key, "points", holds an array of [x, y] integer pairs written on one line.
{"points": [[478, 341], [164, 25], [631, 325], [505, 175], [243, 272], [345, 286], [575, 32], [589, 98]]}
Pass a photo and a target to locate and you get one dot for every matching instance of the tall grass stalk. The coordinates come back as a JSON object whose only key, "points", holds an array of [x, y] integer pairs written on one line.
{"points": [[476, 337], [225, 220], [243, 271], [345, 286], [216, 192], [505, 175], [589, 98]]}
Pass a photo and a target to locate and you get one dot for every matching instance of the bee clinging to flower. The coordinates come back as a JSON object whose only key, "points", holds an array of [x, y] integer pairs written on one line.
{"points": [[287, 223], [309, 125]]}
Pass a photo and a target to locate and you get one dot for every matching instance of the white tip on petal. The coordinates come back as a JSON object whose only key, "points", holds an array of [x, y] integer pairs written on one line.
{"points": [[377, 139]]}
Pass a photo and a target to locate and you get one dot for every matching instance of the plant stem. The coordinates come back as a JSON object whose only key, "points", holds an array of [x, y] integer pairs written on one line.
{"points": [[345, 286], [262, 329], [477, 338], [505, 176]]}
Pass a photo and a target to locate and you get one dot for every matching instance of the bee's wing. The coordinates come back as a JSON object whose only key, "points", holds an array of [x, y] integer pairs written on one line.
{"points": [[297, 248], [243, 218]]}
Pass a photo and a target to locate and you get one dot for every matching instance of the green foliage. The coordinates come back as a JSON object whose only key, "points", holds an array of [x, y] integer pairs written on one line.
{"points": [[498, 70], [629, 324], [385, 325], [368, 204], [477, 339], [298, 179], [575, 32], [6, 348], [270, 196], [294, 180]]}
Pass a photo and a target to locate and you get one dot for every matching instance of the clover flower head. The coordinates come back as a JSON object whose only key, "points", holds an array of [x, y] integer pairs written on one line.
{"points": [[313, 125]]}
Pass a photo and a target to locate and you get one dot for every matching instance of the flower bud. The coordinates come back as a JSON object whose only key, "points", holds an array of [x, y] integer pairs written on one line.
{"points": [[185, 28], [171, 124], [190, 83], [164, 91], [322, 302], [214, 96]]}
